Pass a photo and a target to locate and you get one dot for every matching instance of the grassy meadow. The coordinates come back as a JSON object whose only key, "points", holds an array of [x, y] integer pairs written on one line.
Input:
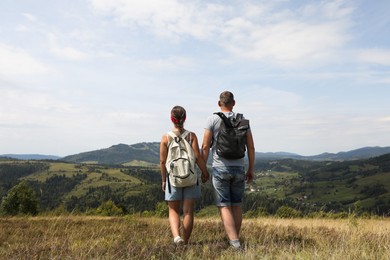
{"points": [[135, 237]]}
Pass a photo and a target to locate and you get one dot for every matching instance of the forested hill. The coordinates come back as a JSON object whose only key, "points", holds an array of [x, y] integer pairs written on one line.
{"points": [[308, 186], [357, 154], [149, 152], [334, 185], [119, 154]]}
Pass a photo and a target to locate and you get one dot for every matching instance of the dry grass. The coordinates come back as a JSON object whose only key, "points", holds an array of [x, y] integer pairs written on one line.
{"points": [[77, 237]]}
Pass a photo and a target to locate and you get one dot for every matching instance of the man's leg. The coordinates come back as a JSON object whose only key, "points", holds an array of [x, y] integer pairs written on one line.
{"points": [[228, 220], [237, 215]]}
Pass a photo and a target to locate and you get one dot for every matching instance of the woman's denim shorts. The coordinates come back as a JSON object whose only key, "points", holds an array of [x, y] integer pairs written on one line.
{"points": [[229, 185], [191, 192]]}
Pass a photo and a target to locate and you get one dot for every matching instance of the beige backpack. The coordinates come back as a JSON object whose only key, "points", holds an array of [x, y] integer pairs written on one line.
{"points": [[180, 163]]}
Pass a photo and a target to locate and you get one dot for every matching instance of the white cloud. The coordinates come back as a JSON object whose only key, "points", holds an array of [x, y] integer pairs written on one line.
{"points": [[384, 119], [290, 37], [250, 31], [18, 62], [170, 63], [285, 43], [30, 17], [271, 98], [68, 53], [126, 116], [65, 52], [375, 56], [31, 106], [170, 18]]}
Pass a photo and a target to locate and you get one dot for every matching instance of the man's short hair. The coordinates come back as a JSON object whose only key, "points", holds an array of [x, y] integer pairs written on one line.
{"points": [[226, 98]]}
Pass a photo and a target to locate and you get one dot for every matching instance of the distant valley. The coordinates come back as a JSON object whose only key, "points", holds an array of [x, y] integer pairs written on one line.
{"points": [[129, 176], [123, 154]]}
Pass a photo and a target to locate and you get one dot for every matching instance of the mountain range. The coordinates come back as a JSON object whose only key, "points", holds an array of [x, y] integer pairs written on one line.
{"points": [[31, 156], [357, 154], [148, 152]]}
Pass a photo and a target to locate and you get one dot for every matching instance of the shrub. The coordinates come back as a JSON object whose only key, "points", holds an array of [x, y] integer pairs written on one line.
{"points": [[109, 208], [162, 209], [287, 212], [146, 214], [259, 212], [209, 211]]}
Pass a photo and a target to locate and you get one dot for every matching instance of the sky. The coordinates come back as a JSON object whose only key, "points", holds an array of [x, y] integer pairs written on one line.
{"points": [[82, 75]]}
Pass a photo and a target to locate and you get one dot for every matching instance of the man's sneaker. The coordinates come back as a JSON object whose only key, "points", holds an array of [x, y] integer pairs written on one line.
{"points": [[235, 244]]}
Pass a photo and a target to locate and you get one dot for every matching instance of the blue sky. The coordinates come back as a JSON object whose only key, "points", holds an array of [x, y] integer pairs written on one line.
{"points": [[76, 76]]}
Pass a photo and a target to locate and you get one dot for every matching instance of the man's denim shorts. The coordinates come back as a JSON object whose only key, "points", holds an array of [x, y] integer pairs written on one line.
{"points": [[191, 192], [229, 185]]}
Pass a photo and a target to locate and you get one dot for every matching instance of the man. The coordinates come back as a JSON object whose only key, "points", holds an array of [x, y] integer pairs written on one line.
{"points": [[228, 175]]}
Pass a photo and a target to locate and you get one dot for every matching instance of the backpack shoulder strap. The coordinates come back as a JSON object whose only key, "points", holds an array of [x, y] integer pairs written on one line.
{"points": [[176, 138], [184, 134], [171, 137], [172, 134], [187, 135], [239, 116], [225, 119]]}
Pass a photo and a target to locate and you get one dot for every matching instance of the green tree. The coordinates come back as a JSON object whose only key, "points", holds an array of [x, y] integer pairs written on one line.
{"points": [[109, 208], [21, 199]]}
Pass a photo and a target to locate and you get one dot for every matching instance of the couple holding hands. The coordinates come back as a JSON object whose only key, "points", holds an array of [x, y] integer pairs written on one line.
{"points": [[228, 174]]}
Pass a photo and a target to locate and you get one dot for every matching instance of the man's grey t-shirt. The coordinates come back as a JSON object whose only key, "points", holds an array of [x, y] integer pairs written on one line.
{"points": [[213, 123]]}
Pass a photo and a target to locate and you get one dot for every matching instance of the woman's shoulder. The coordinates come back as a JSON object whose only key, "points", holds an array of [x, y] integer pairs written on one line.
{"points": [[190, 133], [190, 136], [164, 138]]}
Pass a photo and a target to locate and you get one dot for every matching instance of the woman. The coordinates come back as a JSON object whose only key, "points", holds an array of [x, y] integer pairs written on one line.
{"points": [[186, 195]]}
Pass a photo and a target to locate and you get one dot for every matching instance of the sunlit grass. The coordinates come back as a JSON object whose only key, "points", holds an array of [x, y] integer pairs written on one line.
{"points": [[141, 163], [57, 168], [80, 237]]}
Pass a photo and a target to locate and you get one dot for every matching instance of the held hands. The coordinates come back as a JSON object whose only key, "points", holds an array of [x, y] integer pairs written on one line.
{"points": [[205, 176]]}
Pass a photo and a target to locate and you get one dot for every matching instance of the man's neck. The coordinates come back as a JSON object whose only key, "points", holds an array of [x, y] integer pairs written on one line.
{"points": [[226, 109]]}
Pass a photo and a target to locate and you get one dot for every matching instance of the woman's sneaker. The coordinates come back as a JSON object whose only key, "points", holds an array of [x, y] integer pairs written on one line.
{"points": [[178, 241]]}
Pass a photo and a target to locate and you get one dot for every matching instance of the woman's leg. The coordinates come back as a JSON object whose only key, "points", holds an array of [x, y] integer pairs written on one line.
{"points": [[174, 217], [188, 218]]}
